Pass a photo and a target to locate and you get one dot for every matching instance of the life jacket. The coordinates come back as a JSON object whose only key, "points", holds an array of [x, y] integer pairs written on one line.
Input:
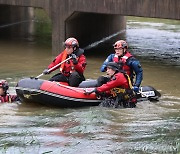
{"points": [[123, 61], [5, 98], [124, 97], [120, 96], [68, 65], [124, 93]]}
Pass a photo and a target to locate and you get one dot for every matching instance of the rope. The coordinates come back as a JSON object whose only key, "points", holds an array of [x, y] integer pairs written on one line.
{"points": [[44, 90], [68, 87], [56, 83], [103, 40], [15, 23]]}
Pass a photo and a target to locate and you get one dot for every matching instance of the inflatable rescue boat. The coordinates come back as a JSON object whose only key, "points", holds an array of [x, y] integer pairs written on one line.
{"points": [[60, 95]]}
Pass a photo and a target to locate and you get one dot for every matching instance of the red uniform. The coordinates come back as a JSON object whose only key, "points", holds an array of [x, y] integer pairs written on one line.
{"points": [[8, 98], [118, 80], [68, 67], [119, 89]]}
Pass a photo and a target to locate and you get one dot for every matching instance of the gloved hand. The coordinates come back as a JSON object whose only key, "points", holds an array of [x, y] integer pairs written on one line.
{"points": [[74, 58], [89, 92], [46, 71], [136, 88]]}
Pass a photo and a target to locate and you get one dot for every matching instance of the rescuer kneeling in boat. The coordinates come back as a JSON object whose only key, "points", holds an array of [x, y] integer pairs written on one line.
{"points": [[4, 95], [71, 71], [117, 91]]}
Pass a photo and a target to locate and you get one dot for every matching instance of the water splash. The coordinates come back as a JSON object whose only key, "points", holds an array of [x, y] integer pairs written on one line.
{"points": [[103, 40]]}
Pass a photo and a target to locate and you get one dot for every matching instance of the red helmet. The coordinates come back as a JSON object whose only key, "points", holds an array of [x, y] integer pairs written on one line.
{"points": [[71, 42], [4, 85], [120, 44]]}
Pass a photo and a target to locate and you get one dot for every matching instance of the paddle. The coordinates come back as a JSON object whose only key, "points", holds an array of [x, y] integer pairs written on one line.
{"points": [[54, 67]]}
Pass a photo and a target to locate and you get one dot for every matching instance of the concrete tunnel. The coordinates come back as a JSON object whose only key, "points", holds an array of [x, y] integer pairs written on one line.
{"points": [[88, 28]]}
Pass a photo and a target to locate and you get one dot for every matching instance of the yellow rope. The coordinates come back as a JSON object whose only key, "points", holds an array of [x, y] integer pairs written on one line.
{"points": [[46, 89], [38, 93]]}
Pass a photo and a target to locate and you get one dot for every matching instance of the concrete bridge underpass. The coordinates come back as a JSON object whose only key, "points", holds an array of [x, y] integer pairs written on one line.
{"points": [[89, 20]]}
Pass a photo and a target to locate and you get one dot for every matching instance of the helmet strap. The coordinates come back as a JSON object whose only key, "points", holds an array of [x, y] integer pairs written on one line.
{"points": [[114, 73], [124, 52], [74, 48]]}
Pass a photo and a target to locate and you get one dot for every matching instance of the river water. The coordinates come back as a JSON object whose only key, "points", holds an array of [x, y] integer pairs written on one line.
{"points": [[148, 128]]}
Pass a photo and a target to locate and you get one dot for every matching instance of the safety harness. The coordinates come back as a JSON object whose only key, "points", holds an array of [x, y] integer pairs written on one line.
{"points": [[123, 61], [5, 98], [120, 90], [121, 97]]}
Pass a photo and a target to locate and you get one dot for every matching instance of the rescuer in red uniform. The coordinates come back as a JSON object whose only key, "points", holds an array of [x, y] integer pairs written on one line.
{"points": [[118, 90], [129, 64], [4, 95], [71, 71]]}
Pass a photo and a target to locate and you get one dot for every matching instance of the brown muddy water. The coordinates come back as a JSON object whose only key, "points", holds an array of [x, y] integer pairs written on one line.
{"points": [[148, 128]]}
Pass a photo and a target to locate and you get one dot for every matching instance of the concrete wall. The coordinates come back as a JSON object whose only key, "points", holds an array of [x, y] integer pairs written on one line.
{"points": [[63, 14], [16, 21], [145, 8]]}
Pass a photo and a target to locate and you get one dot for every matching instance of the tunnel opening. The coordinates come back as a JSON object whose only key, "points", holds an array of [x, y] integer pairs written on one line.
{"points": [[95, 32]]}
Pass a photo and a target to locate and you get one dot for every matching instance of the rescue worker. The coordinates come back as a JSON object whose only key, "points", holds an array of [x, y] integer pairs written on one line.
{"points": [[72, 70], [118, 90], [4, 95], [129, 64]]}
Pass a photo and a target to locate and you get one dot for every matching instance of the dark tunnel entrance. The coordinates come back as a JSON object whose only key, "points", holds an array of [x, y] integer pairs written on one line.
{"points": [[96, 29]]}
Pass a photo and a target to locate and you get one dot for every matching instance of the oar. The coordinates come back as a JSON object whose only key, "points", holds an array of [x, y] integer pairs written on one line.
{"points": [[54, 67]]}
